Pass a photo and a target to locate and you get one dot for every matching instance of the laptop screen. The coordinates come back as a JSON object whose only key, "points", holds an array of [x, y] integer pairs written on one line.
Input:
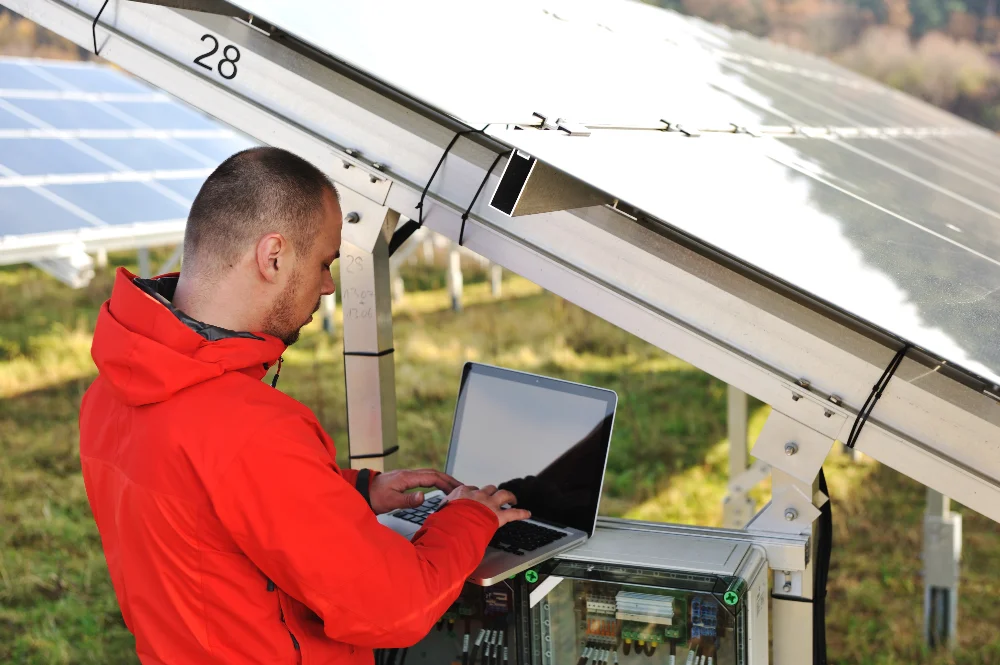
{"points": [[543, 439]]}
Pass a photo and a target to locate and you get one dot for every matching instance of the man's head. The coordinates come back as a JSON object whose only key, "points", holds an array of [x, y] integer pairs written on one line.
{"points": [[266, 225]]}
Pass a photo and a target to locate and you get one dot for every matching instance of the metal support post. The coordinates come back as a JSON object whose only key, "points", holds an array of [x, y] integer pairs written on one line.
{"points": [[428, 248], [793, 593], [496, 279], [173, 262], [328, 306], [369, 370], [737, 508], [144, 268], [455, 277], [795, 453], [397, 286], [942, 556]]}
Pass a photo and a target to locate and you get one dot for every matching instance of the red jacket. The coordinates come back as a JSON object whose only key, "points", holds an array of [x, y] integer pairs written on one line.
{"points": [[231, 534]]}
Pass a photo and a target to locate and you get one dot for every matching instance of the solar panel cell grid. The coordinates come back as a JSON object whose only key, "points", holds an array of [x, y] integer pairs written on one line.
{"points": [[83, 144], [23, 211], [35, 157]]}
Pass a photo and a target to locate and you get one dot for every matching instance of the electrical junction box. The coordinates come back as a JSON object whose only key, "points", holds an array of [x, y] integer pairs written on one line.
{"points": [[640, 594], [634, 594]]}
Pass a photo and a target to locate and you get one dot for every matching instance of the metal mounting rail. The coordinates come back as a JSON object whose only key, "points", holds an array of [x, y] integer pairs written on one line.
{"points": [[380, 149]]}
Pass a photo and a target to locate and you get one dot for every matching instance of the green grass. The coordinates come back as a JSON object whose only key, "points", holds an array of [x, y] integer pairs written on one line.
{"points": [[668, 461]]}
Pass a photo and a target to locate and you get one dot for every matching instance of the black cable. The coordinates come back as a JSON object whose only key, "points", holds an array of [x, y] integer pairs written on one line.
{"points": [[93, 26], [475, 646], [402, 660], [468, 211], [409, 228], [875, 395], [824, 548]]}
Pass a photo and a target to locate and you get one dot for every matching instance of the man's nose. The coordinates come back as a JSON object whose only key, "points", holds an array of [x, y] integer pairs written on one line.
{"points": [[328, 285]]}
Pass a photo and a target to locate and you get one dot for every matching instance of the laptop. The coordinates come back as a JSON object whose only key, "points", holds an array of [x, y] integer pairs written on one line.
{"points": [[545, 440]]}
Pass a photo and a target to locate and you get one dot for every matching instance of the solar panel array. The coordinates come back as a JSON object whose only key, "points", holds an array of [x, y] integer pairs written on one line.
{"points": [[863, 197], [85, 146]]}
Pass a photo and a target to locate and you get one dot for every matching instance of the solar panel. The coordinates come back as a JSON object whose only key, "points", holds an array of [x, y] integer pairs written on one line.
{"points": [[85, 146], [902, 230]]}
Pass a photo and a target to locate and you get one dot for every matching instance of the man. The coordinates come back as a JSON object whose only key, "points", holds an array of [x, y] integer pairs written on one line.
{"points": [[231, 534]]}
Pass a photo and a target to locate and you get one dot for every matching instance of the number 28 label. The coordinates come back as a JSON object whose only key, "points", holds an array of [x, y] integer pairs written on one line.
{"points": [[227, 65]]}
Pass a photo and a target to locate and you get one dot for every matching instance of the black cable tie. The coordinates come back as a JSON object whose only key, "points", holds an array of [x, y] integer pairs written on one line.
{"points": [[874, 396], [384, 453], [370, 354], [796, 599], [93, 26], [403, 233], [468, 211]]}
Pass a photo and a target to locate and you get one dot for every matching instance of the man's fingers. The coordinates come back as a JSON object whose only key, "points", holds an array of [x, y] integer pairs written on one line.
{"points": [[415, 499], [409, 480], [445, 483], [489, 490], [512, 515], [502, 497]]}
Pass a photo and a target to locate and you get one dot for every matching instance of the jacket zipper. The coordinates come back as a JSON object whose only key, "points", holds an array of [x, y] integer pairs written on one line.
{"points": [[281, 613]]}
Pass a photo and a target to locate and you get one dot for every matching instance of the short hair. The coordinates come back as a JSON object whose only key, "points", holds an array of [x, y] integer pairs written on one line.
{"points": [[253, 193]]}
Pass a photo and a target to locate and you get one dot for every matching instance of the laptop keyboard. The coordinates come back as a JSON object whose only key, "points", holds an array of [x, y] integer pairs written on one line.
{"points": [[521, 537], [419, 514], [513, 537]]}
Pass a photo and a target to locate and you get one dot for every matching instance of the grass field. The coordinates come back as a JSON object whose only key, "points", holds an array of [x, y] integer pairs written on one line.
{"points": [[668, 462]]}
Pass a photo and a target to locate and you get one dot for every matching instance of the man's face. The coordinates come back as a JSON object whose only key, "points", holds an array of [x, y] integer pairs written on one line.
{"points": [[311, 278]]}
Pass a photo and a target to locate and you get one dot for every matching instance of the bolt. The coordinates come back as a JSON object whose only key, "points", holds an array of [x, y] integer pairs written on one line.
{"points": [[796, 397], [351, 151], [378, 166], [347, 165], [803, 383], [373, 179], [787, 586], [836, 400], [791, 514], [828, 413], [352, 218], [791, 448]]}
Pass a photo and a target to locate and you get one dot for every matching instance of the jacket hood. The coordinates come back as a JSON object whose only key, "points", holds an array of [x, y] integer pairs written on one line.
{"points": [[148, 350]]}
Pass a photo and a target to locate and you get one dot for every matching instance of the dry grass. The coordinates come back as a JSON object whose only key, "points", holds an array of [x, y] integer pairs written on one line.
{"points": [[668, 462]]}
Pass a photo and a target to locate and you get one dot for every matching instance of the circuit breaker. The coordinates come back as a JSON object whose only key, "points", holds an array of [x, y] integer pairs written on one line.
{"points": [[634, 594]]}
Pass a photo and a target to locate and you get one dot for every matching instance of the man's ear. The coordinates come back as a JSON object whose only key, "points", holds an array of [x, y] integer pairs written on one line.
{"points": [[273, 253]]}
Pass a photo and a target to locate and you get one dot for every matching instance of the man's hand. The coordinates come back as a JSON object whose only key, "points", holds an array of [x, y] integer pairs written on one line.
{"points": [[493, 499], [389, 490]]}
